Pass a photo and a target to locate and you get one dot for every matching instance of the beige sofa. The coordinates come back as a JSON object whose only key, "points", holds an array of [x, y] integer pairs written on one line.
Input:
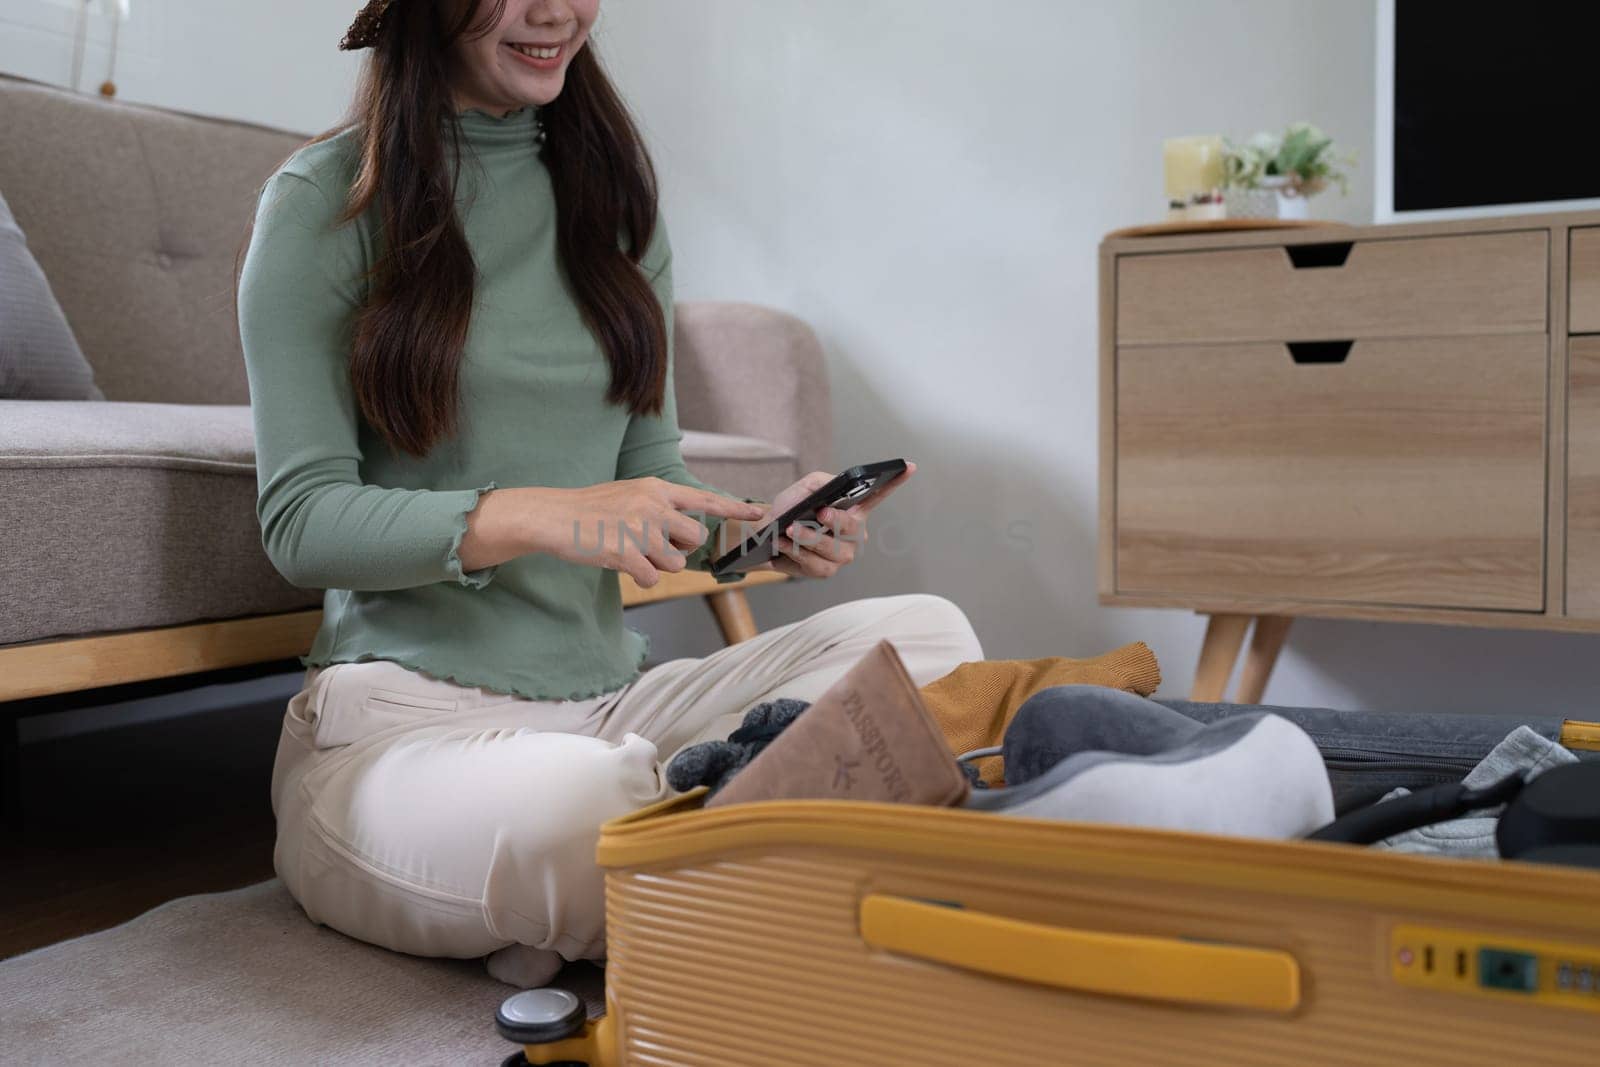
{"points": [[129, 544]]}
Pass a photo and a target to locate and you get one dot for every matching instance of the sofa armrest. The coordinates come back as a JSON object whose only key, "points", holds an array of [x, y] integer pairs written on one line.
{"points": [[753, 371]]}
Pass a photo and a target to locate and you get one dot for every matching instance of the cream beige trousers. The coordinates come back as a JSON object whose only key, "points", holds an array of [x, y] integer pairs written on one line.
{"points": [[445, 820]]}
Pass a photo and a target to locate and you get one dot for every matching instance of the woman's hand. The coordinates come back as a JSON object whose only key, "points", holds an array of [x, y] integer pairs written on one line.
{"points": [[818, 550], [637, 526]]}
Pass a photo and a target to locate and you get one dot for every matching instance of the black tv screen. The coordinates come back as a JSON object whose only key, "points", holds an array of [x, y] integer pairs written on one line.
{"points": [[1495, 103]]}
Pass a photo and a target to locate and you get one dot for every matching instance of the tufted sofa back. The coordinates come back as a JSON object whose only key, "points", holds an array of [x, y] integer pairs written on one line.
{"points": [[136, 214]]}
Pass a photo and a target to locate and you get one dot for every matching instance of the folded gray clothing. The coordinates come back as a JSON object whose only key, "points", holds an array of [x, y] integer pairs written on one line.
{"points": [[1093, 754], [1472, 835]]}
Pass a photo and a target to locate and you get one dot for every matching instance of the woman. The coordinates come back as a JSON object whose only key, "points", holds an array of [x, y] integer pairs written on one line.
{"points": [[456, 311]]}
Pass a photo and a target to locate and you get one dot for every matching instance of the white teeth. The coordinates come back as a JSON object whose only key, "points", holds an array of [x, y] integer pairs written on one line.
{"points": [[540, 53]]}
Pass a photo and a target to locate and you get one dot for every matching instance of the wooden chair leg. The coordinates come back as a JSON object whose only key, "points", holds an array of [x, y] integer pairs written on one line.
{"points": [[1224, 638], [733, 615]]}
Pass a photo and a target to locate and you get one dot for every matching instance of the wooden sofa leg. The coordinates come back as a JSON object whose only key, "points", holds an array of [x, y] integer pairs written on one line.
{"points": [[733, 615]]}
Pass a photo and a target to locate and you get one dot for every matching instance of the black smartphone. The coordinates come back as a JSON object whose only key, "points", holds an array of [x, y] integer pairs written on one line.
{"points": [[846, 490]]}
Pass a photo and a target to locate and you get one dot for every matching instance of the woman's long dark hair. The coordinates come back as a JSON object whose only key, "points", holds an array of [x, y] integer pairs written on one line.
{"points": [[408, 339]]}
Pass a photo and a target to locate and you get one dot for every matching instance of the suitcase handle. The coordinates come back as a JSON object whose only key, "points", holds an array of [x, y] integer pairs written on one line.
{"points": [[1087, 961]]}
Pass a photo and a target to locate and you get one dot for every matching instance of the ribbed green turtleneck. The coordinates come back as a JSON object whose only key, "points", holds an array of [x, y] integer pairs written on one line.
{"points": [[380, 531]]}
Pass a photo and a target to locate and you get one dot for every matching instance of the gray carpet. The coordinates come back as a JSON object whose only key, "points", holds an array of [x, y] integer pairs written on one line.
{"points": [[245, 977]]}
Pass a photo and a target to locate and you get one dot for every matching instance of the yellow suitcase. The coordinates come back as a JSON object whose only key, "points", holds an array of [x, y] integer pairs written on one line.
{"points": [[830, 932]]}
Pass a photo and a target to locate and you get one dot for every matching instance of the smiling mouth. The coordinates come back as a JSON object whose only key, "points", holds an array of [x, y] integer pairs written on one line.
{"points": [[545, 52]]}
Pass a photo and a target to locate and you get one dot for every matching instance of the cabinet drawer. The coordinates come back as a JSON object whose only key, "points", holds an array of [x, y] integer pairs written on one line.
{"points": [[1401, 287], [1412, 472], [1583, 477], [1585, 291]]}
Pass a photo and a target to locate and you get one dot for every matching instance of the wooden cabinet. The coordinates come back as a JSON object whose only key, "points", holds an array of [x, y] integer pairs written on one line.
{"points": [[1585, 288], [1583, 426], [1583, 478], [1411, 471], [1385, 422]]}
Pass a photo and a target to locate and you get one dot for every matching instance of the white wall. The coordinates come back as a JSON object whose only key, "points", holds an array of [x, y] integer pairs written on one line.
{"points": [[925, 182], [276, 63]]}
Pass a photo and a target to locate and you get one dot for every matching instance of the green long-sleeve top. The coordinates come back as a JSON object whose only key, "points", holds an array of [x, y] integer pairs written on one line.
{"points": [[379, 530]]}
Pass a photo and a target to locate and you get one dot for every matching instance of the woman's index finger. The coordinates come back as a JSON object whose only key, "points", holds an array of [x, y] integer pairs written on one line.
{"points": [[688, 498]]}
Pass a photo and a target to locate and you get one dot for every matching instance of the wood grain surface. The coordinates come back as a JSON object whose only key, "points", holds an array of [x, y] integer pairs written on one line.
{"points": [[1412, 473], [1583, 478], [1586, 280], [1411, 287]]}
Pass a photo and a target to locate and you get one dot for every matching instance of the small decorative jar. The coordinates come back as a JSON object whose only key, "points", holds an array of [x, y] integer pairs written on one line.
{"points": [[1274, 197]]}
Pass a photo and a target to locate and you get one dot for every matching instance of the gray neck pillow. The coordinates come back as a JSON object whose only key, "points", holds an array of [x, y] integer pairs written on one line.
{"points": [[1093, 754]]}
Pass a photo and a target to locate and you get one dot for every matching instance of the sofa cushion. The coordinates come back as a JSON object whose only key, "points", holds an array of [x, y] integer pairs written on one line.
{"points": [[137, 214], [748, 369], [39, 357], [746, 466], [134, 515]]}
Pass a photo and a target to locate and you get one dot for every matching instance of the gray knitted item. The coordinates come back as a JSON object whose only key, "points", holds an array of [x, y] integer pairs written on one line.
{"points": [[714, 763]]}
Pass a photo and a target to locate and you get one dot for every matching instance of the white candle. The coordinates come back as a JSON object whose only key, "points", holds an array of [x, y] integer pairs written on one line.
{"points": [[1193, 166]]}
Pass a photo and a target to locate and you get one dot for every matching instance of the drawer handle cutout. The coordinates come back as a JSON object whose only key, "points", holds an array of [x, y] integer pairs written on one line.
{"points": [[1320, 351], [1332, 254]]}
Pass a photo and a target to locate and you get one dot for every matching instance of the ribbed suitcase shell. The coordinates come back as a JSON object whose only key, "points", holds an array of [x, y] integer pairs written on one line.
{"points": [[735, 938]]}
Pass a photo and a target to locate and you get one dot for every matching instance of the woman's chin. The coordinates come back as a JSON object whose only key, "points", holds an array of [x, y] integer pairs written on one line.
{"points": [[538, 88]]}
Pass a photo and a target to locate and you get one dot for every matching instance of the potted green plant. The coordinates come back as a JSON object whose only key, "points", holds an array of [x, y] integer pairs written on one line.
{"points": [[1271, 176]]}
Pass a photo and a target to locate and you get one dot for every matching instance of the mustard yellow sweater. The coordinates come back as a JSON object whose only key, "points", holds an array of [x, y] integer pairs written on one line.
{"points": [[976, 702]]}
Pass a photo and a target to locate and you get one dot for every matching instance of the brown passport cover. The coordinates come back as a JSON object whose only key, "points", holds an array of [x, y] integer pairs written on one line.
{"points": [[869, 737]]}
